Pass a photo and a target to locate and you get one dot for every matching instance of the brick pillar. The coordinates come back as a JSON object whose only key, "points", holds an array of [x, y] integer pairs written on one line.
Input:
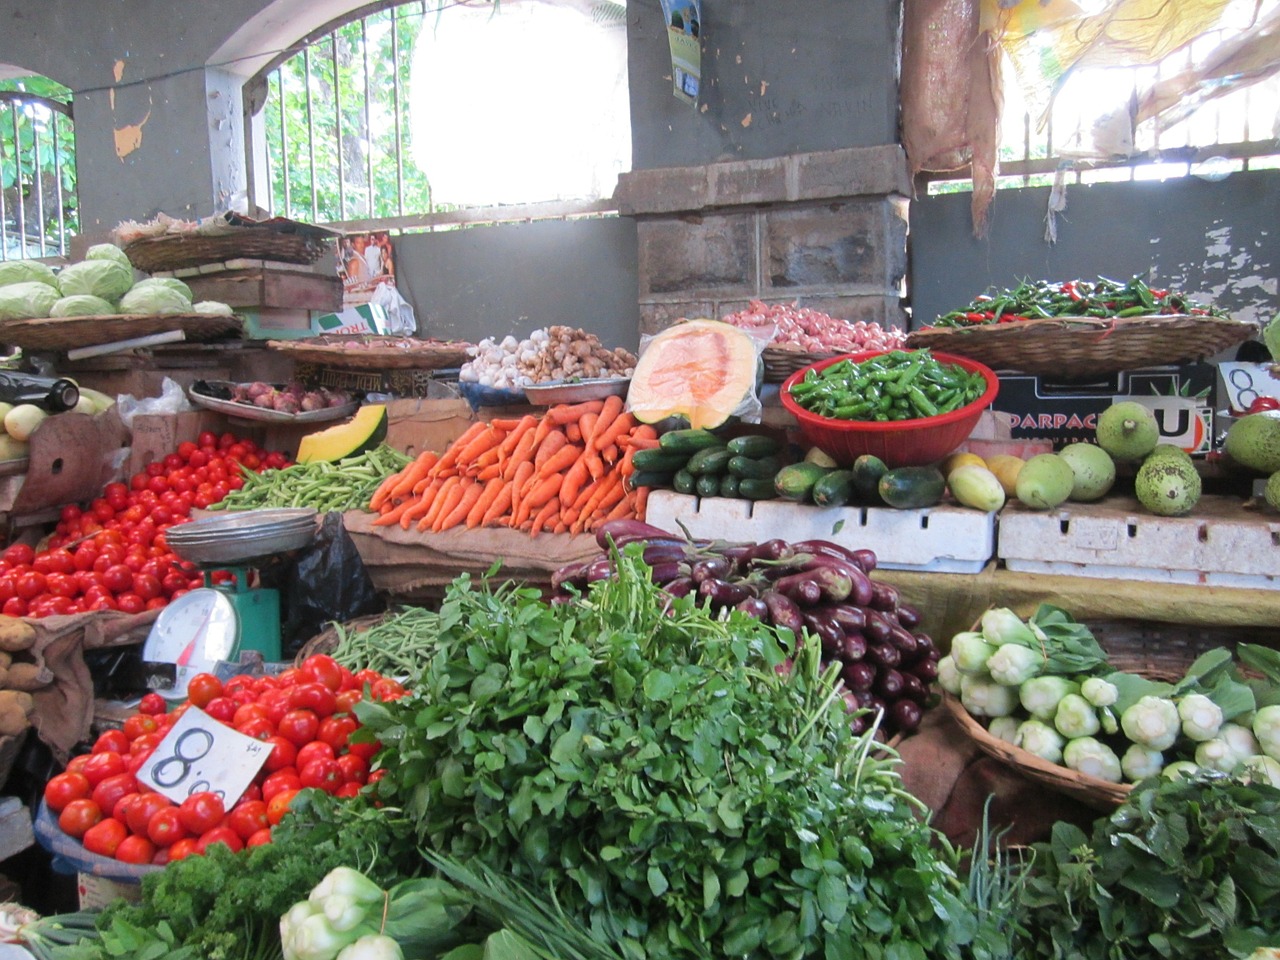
{"points": [[826, 230]]}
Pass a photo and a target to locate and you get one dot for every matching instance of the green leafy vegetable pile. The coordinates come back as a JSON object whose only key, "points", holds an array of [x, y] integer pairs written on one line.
{"points": [[666, 778]]}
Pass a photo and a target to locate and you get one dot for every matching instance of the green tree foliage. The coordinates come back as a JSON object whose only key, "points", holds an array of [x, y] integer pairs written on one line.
{"points": [[37, 157]]}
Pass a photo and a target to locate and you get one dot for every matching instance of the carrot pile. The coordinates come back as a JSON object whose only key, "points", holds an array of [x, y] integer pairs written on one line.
{"points": [[564, 472]]}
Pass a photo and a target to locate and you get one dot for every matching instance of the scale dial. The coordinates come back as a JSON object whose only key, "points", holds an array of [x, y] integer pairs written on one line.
{"points": [[193, 633]]}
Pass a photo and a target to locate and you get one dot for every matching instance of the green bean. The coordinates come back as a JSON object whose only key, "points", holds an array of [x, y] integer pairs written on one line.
{"points": [[347, 484], [897, 385]]}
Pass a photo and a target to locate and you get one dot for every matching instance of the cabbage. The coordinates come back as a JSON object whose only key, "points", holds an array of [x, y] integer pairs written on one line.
{"points": [[173, 283], [211, 308], [108, 251], [100, 278], [82, 305], [26, 271], [26, 301], [151, 298]]}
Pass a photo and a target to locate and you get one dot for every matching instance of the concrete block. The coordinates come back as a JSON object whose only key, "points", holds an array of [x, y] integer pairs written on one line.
{"points": [[662, 190], [748, 182], [658, 316], [697, 254], [854, 172], [859, 242]]}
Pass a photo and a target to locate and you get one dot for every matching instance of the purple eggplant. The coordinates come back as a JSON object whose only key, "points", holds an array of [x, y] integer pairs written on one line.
{"points": [[668, 571], [712, 568], [854, 648], [859, 590], [877, 705], [858, 724], [571, 573], [772, 550], [826, 630], [825, 548], [833, 583], [908, 615], [600, 569], [889, 684], [848, 616], [877, 628], [905, 716], [884, 596], [622, 532], [926, 670], [866, 559], [925, 647], [562, 599], [851, 703], [800, 589], [679, 587], [858, 676], [753, 607], [913, 688], [663, 552], [723, 593], [784, 668], [904, 640], [884, 654], [783, 611], [740, 554]]}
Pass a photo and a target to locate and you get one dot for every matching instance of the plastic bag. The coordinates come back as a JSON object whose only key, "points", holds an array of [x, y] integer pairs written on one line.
{"points": [[172, 399], [400, 317]]}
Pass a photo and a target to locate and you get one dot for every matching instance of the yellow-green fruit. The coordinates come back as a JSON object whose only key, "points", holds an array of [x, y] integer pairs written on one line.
{"points": [[1095, 471], [1253, 441], [1169, 450], [1167, 486], [1272, 492], [975, 486], [1127, 430], [1045, 481], [1006, 467]]}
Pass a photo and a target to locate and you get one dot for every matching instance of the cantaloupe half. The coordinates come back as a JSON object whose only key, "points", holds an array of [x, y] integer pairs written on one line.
{"points": [[698, 371], [364, 431]]}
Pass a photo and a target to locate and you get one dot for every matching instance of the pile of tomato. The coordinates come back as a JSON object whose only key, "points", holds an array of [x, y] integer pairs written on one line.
{"points": [[304, 713], [112, 555]]}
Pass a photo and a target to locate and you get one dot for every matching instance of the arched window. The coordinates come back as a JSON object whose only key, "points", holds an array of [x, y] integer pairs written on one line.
{"points": [[424, 107], [38, 210]]}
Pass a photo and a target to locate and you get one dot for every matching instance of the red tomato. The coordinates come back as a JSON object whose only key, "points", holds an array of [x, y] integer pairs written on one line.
{"points": [[365, 749], [299, 727], [1260, 404], [249, 711], [275, 704], [112, 741], [77, 764], [387, 689], [336, 730], [281, 781], [221, 708], [224, 835], [248, 817], [313, 696], [14, 607], [165, 827], [63, 788], [182, 849], [377, 775], [347, 790], [201, 811], [78, 816], [278, 806], [18, 554], [130, 603], [202, 688], [135, 849], [29, 585], [104, 837], [60, 560], [290, 677], [315, 750], [260, 838], [100, 766], [139, 725], [147, 586], [321, 773], [146, 743], [260, 728], [117, 578], [140, 813], [120, 809], [347, 699], [108, 792], [283, 754], [152, 704], [323, 670], [354, 769]]}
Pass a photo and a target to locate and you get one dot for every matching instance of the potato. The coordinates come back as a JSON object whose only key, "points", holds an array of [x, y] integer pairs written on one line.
{"points": [[15, 710], [27, 676], [16, 634]]}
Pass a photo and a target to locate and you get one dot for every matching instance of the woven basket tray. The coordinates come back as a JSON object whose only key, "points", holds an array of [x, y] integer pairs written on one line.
{"points": [[780, 363], [66, 333], [176, 251], [1084, 348], [377, 353], [1158, 652], [326, 641]]}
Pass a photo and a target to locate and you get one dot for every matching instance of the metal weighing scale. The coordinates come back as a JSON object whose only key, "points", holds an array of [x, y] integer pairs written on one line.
{"points": [[217, 623]]}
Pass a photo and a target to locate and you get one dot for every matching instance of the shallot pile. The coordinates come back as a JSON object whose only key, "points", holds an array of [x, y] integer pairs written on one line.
{"points": [[291, 398], [886, 663], [555, 353], [800, 328]]}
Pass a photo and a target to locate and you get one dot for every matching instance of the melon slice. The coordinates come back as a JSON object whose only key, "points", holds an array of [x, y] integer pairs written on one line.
{"points": [[364, 431], [698, 371]]}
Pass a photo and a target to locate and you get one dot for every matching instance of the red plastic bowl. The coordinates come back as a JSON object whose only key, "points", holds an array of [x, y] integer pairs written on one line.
{"points": [[899, 443]]}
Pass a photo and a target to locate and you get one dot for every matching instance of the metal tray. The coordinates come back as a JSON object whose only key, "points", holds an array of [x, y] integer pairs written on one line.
{"points": [[246, 411], [576, 391]]}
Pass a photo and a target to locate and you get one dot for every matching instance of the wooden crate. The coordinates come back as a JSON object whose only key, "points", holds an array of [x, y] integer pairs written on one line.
{"points": [[1222, 543]]}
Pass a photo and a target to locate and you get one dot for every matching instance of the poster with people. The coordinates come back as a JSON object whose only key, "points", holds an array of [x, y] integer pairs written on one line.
{"points": [[684, 32], [365, 261]]}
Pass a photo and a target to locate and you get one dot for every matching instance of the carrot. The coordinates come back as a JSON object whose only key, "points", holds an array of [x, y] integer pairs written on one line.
{"points": [[451, 455], [538, 496], [610, 454], [560, 527], [568, 412], [525, 424], [487, 459], [393, 515], [574, 478], [552, 444], [544, 427], [573, 432], [522, 475], [622, 509], [523, 454], [627, 467], [616, 491], [416, 471], [646, 431], [610, 412], [563, 458], [613, 432], [544, 515], [436, 503], [504, 425], [642, 501], [595, 466], [449, 499], [478, 445], [500, 505], [484, 502], [489, 472], [470, 495], [420, 505], [603, 489], [639, 443]]}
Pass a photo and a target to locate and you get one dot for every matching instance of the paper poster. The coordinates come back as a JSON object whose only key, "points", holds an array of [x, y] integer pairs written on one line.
{"points": [[365, 261], [199, 753], [684, 29]]}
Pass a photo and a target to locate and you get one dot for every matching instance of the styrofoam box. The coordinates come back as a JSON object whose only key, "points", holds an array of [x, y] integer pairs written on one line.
{"points": [[940, 539], [1219, 544]]}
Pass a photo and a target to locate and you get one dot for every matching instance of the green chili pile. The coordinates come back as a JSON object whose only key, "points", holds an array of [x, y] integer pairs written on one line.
{"points": [[346, 484], [1101, 298], [898, 385]]}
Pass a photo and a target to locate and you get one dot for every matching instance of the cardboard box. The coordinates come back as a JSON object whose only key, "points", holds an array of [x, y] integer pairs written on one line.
{"points": [[1181, 398], [366, 318], [415, 425], [99, 892]]}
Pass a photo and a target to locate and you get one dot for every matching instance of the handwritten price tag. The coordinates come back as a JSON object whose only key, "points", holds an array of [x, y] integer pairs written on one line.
{"points": [[199, 753]]}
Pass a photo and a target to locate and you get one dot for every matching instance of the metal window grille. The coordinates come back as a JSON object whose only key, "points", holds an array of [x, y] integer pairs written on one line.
{"points": [[37, 176]]}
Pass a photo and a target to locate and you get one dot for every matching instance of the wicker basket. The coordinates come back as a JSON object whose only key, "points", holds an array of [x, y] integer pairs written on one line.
{"points": [[326, 641], [1158, 652], [176, 251], [66, 333], [1084, 348], [780, 363], [377, 353]]}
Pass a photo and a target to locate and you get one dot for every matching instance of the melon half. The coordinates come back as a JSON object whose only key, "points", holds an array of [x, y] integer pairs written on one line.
{"points": [[698, 372]]}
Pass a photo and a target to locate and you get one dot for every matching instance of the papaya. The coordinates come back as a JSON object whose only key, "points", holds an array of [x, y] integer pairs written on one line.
{"points": [[362, 432], [699, 373]]}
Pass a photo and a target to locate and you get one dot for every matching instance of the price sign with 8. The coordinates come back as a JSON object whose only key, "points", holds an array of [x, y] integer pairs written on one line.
{"points": [[199, 753]]}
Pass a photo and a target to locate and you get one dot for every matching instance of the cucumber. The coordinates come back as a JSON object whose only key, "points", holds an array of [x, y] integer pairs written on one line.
{"points": [[684, 481], [911, 488], [712, 460], [833, 489], [752, 489], [708, 486], [661, 460], [688, 442], [754, 446], [746, 468], [729, 486], [795, 481], [650, 478], [867, 471]]}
